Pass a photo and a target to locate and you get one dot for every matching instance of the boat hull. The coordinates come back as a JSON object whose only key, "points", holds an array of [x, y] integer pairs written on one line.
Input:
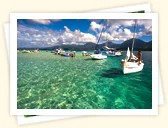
{"points": [[118, 54], [98, 56], [132, 67], [113, 54]]}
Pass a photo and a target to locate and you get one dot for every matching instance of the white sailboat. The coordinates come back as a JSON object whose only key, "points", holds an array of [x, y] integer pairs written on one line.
{"points": [[97, 54], [131, 64]]}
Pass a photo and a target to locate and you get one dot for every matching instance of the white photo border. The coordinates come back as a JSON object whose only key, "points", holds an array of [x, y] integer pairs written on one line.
{"points": [[13, 64], [23, 120]]}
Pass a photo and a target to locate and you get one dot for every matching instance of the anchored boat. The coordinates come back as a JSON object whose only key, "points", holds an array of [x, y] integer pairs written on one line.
{"points": [[98, 54], [113, 53], [131, 63]]}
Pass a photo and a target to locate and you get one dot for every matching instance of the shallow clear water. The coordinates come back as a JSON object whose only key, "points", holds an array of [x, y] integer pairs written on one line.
{"points": [[49, 81]]}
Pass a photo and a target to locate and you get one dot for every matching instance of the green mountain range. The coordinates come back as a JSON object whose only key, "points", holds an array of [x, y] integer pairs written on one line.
{"points": [[139, 45]]}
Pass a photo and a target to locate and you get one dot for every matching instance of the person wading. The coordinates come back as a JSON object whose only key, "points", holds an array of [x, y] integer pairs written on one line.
{"points": [[139, 56]]}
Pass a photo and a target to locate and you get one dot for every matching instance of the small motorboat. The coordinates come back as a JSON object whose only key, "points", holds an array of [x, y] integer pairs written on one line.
{"points": [[118, 53], [113, 53], [84, 53], [26, 51], [98, 56], [36, 51], [110, 53]]}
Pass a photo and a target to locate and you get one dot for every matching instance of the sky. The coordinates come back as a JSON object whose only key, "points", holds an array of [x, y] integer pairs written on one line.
{"points": [[51, 32]]}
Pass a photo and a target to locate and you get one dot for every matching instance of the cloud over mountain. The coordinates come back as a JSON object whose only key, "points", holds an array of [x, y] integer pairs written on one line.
{"points": [[116, 30], [49, 37]]}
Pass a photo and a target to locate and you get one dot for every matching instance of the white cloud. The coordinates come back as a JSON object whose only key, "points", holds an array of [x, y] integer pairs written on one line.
{"points": [[44, 21], [41, 21], [106, 36], [122, 22], [117, 30], [95, 26], [45, 38], [76, 36], [120, 29], [118, 34], [66, 29], [127, 31]]}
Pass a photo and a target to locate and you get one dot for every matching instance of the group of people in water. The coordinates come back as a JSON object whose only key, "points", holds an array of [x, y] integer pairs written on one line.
{"points": [[132, 58], [137, 58], [29, 51], [69, 54], [63, 53]]}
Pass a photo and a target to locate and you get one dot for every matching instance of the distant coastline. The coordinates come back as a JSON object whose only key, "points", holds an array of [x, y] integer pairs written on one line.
{"points": [[89, 46]]}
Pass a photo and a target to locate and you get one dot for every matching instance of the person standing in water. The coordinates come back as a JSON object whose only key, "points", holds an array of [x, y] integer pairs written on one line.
{"points": [[139, 56]]}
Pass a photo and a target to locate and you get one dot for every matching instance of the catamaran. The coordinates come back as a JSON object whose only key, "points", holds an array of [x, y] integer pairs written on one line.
{"points": [[98, 54], [131, 63]]}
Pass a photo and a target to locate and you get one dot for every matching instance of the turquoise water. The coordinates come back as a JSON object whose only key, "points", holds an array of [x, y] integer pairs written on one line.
{"points": [[48, 81]]}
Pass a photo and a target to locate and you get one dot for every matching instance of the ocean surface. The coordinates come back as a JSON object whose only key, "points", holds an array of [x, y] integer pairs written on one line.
{"points": [[48, 81]]}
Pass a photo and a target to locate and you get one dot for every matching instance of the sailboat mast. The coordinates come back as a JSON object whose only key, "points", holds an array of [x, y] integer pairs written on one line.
{"points": [[103, 29], [134, 36], [99, 37]]}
